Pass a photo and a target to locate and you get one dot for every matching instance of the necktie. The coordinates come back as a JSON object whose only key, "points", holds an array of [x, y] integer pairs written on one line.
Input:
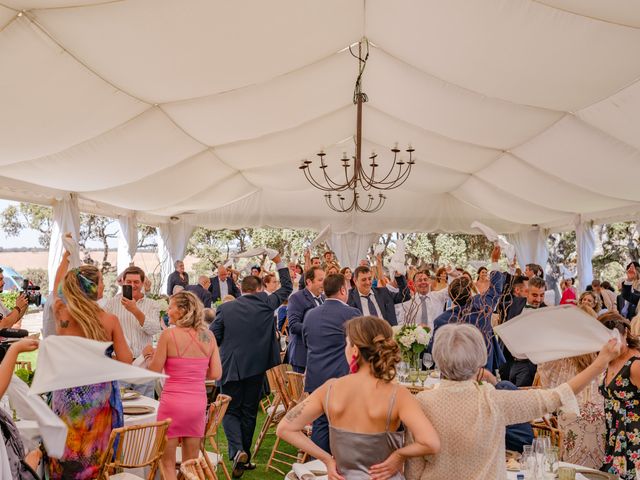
{"points": [[372, 307], [318, 301], [423, 310]]}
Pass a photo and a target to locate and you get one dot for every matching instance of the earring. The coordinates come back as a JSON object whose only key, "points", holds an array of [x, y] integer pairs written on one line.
{"points": [[353, 364]]}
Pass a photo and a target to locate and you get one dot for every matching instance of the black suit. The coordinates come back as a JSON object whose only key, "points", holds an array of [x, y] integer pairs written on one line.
{"points": [[519, 372], [632, 296], [175, 279], [214, 288], [200, 292], [385, 299], [246, 334]]}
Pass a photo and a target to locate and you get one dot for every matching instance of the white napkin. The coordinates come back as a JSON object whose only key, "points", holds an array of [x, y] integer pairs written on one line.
{"points": [[32, 407], [508, 249], [71, 246], [66, 361], [378, 249], [302, 472], [552, 333], [397, 262], [322, 236], [271, 253], [229, 263]]}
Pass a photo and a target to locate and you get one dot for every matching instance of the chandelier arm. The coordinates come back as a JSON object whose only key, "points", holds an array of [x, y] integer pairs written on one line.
{"points": [[396, 183], [337, 187], [315, 183]]}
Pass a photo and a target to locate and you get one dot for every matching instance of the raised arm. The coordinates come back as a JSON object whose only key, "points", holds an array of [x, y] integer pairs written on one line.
{"points": [[278, 297]]}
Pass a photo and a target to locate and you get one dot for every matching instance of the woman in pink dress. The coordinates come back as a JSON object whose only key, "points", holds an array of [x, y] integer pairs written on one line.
{"points": [[188, 353], [568, 293]]}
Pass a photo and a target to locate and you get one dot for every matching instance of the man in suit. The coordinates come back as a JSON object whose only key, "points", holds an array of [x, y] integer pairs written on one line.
{"points": [[522, 372], [299, 304], [223, 285], [425, 305], [476, 310], [323, 333], [246, 335], [379, 301], [201, 290], [309, 262]]}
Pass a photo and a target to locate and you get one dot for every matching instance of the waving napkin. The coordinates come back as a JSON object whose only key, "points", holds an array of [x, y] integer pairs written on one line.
{"points": [[32, 407], [397, 262], [322, 236], [271, 253], [71, 246], [551, 333], [66, 361], [508, 249]]}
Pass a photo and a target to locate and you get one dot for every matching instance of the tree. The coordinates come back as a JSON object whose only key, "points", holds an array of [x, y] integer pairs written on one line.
{"points": [[14, 219]]}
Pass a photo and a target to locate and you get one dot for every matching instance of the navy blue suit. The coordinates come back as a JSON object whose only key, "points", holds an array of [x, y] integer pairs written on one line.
{"points": [[385, 299], [214, 288], [323, 333], [246, 334], [299, 304], [478, 312], [200, 292]]}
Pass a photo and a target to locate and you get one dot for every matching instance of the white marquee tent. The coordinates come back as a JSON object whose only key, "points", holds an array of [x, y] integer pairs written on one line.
{"points": [[525, 114]]}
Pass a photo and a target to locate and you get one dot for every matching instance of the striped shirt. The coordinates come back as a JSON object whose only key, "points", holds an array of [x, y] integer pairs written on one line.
{"points": [[137, 336]]}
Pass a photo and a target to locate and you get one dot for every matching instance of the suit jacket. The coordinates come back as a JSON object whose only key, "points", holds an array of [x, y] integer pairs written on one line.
{"points": [[323, 333], [200, 292], [299, 304], [246, 334], [174, 279], [478, 313], [214, 288], [385, 299], [632, 296]]}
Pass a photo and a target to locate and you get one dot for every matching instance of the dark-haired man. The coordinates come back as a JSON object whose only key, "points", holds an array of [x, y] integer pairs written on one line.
{"points": [[323, 333], [476, 310], [299, 304], [10, 317], [246, 336], [380, 301]]}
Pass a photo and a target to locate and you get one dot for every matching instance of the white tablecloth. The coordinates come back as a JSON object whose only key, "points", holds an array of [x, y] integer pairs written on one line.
{"points": [[514, 475]]}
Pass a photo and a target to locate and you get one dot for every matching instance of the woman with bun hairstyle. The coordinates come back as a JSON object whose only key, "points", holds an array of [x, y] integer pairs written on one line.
{"points": [[365, 410]]}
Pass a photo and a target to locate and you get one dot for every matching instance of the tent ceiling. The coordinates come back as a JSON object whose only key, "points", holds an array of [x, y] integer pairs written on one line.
{"points": [[522, 112]]}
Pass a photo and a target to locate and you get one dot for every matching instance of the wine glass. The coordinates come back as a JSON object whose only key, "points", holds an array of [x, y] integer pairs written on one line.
{"points": [[427, 360], [402, 369], [550, 464]]}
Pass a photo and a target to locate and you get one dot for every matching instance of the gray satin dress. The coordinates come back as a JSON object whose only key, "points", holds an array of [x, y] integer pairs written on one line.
{"points": [[355, 452]]}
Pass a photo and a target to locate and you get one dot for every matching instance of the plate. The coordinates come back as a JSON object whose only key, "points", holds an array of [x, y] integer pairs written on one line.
{"points": [[138, 410], [130, 396]]}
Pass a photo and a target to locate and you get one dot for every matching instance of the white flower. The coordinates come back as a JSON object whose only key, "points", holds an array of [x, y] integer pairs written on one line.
{"points": [[396, 329], [422, 337], [163, 305], [406, 341]]}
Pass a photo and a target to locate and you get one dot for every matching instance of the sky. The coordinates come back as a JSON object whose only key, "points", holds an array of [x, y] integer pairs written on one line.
{"points": [[29, 238]]}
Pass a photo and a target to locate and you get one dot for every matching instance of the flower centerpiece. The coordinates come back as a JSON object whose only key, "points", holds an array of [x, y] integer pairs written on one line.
{"points": [[412, 340]]}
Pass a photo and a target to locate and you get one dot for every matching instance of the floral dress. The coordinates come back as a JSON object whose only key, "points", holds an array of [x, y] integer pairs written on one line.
{"points": [[622, 416]]}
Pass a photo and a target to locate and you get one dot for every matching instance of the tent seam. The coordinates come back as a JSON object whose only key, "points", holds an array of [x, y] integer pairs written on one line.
{"points": [[582, 15]]}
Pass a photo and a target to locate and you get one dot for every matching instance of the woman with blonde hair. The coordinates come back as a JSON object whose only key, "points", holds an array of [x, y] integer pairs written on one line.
{"points": [[189, 354], [365, 410], [90, 411], [589, 299], [583, 434]]}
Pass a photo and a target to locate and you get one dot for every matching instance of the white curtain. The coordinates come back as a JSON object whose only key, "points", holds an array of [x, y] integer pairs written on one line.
{"points": [[585, 246], [352, 247], [66, 219], [127, 240], [531, 247], [172, 243]]}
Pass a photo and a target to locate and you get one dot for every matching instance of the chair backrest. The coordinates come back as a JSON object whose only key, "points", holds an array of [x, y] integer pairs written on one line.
{"points": [[137, 446], [295, 385], [554, 434], [26, 364], [216, 413], [197, 469], [278, 378]]}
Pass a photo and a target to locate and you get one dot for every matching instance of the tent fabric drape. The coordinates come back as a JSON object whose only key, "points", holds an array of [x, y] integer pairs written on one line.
{"points": [[172, 244], [66, 219], [351, 247], [531, 247], [127, 241], [585, 246]]}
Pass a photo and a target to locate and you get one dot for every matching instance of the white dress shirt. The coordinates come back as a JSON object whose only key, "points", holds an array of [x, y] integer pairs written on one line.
{"points": [[435, 301], [365, 304], [138, 336], [224, 288]]}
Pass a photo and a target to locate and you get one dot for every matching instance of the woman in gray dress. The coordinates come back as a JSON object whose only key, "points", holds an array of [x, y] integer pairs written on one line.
{"points": [[365, 410]]}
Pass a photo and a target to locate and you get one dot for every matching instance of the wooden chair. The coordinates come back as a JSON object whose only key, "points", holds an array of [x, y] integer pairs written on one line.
{"points": [[545, 430], [138, 446], [197, 469], [295, 385], [23, 364], [279, 405]]}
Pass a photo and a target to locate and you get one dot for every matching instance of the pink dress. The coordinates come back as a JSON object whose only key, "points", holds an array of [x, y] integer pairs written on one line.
{"points": [[184, 396]]}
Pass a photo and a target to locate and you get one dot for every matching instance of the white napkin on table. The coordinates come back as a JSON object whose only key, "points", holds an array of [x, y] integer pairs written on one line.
{"points": [[66, 361], [552, 333], [32, 407], [271, 253], [508, 249], [302, 472]]}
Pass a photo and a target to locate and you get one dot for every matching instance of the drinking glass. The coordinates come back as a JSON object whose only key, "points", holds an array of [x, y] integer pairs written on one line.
{"points": [[427, 360], [413, 376], [550, 465], [402, 369], [529, 465], [527, 449], [422, 376]]}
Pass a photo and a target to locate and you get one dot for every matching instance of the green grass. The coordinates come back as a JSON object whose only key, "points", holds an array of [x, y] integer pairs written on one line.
{"points": [[260, 472], [29, 357]]}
